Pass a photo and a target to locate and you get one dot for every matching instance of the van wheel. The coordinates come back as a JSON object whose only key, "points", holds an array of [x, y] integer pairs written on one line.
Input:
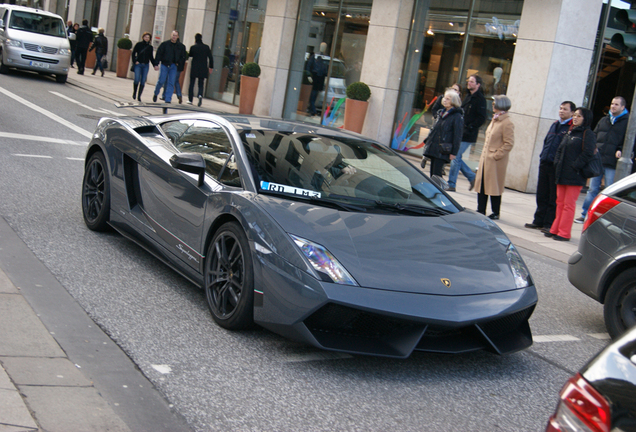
{"points": [[4, 69], [60, 78]]}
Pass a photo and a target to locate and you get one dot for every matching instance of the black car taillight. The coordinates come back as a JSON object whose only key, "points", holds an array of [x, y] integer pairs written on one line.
{"points": [[581, 409], [601, 205]]}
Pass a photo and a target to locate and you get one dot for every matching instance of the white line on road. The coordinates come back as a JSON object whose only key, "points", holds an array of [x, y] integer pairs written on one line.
{"points": [[554, 338], [162, 369], [47, 113], [601, 336], [79, 159], [40, 138], [97, 110], [32, 156]]}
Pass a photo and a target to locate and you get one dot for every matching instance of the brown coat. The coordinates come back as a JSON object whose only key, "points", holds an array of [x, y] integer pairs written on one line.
{"points": [[500, 137]]}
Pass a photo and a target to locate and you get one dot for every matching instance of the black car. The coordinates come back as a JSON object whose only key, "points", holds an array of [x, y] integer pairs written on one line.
{"points": [[601, 396]]}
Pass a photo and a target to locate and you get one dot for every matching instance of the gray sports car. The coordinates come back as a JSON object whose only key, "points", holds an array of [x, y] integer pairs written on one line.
{"points": [[314, 233]]}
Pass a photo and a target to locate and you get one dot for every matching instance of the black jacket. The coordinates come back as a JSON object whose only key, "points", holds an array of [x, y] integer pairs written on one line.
{"points": [[83, 37], [100, 44], [201, 55], [143, 53], [553, 140], [474, 106], [572, 155], [170, 53], [610, 137], [448, 129]]}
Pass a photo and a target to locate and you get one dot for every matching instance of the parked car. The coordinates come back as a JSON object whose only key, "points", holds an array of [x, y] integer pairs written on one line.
{"points": [[604, 267], [35, 40], [601, 397], [315, 233]]}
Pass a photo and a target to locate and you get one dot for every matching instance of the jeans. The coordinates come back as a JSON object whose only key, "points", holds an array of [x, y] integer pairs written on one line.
{"points": [[458, 164], [141, 72], [595, 187], [167, 77], [98, 63]]}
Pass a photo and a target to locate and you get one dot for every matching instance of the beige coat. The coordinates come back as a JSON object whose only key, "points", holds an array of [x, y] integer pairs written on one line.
{"points": [[500, 137]]}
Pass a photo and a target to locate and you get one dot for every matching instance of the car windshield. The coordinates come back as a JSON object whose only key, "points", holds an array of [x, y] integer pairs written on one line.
{"points": [[343, 172], [36, 23]]}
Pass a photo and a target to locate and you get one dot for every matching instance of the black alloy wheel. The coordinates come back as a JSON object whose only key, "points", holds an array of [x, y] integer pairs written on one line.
{"points": [[96, 193], [229, 278], [620, 304]]}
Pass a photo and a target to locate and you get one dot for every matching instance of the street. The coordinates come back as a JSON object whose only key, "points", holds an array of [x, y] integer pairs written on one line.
{"points": [[255, 380]]}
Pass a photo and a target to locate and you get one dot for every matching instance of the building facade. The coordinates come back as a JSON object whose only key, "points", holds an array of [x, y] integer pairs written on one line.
{"points": [[538, 52]]}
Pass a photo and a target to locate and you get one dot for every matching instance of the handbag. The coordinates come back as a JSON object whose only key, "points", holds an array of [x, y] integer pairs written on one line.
{"points": [[445, 148], [104, 63], [594, 166]]}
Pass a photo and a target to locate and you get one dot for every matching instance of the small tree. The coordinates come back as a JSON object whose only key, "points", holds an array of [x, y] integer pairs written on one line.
{"points": [[251, 69], [359, 91], [124, 43]]}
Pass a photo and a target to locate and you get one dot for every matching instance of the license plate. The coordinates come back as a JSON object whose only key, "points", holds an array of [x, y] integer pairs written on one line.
{"points": [[39, 64]]}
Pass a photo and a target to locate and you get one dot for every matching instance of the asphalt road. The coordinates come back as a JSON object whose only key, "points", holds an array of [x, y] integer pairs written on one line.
{"points": [[255, 380]]}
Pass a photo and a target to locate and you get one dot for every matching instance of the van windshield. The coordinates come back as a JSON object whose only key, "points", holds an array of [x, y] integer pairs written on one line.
{"points": [[36, 23]]}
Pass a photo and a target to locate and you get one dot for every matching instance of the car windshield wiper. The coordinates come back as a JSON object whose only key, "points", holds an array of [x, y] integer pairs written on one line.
{"points": [[338, 205], [408, 208]]}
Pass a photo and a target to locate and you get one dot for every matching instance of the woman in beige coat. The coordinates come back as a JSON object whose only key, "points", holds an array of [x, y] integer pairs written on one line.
{"points": [[491, 175]]}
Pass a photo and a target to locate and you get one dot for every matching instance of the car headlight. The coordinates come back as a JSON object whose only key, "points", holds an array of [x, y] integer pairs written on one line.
{"points": [[14, 43], [324, 262], [64, 51], [518, 267]]}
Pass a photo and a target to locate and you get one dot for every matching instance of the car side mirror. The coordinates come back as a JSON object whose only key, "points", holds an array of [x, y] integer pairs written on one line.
{"points": [[1, 23], [190, 162]]}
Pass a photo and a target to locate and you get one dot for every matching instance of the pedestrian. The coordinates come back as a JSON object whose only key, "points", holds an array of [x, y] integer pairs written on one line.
{"points": [[474, 106], [317, 66], [100, 45], [610, 134], [142, 56], [83, 39], [546, 185], [71, 31], [491, 174], [443, 143], [170, 55], [574, 152], [202, 65], [437, 105]]}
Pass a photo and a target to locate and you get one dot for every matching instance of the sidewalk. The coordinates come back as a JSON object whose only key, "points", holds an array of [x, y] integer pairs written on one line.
{"points": [[41, 388]]}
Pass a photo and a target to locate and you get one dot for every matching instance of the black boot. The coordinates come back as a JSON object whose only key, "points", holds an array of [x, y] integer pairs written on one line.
{"points": [[135, 91], [141, 89]]}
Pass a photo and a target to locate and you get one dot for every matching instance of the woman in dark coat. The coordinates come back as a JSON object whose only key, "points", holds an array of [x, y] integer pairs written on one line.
{"points": [[200, 69], [100, 45], [142, 56], [447, 130], [574, 152]]}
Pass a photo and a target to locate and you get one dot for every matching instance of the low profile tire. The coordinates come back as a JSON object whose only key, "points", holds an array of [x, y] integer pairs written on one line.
{"points": [[620, 304], [61, 78], [96, 193], [229, 278]]}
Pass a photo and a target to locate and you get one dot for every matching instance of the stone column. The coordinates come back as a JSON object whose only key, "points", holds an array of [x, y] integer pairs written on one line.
{"points": [[200, 18], [108, 12], [383, 62], [551, 64], [275, 58]]}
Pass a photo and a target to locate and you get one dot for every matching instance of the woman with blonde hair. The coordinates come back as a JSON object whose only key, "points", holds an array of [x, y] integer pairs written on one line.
{"points": [[442, 144], [491, 174]]}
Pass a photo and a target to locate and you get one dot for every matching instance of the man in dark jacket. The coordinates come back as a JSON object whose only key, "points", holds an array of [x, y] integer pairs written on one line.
{"points": [[172, 56], [83, 38], [610, 134], [546, 185], [202, 65], [474, 106], [100, 44]]}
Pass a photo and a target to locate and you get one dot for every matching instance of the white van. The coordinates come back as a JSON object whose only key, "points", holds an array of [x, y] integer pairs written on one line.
{"points": [[34, 40]]}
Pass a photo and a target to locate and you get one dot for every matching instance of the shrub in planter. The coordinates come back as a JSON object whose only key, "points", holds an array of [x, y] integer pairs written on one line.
{"points": [[358, 91], [251, 70], [124, 43]]}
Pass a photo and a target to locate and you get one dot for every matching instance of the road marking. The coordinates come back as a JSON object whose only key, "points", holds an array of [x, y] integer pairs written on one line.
{"points": [[98, 110], [32, 156], [79, 159], [40, 138], [554, 338], [47, 113], [601, 336], [163, 369]]}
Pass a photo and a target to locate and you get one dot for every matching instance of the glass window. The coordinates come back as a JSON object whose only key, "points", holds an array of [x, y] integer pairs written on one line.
{"points": [[36, 23], [448, 43], [237, 40], [328, 54], [211, 141]]}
